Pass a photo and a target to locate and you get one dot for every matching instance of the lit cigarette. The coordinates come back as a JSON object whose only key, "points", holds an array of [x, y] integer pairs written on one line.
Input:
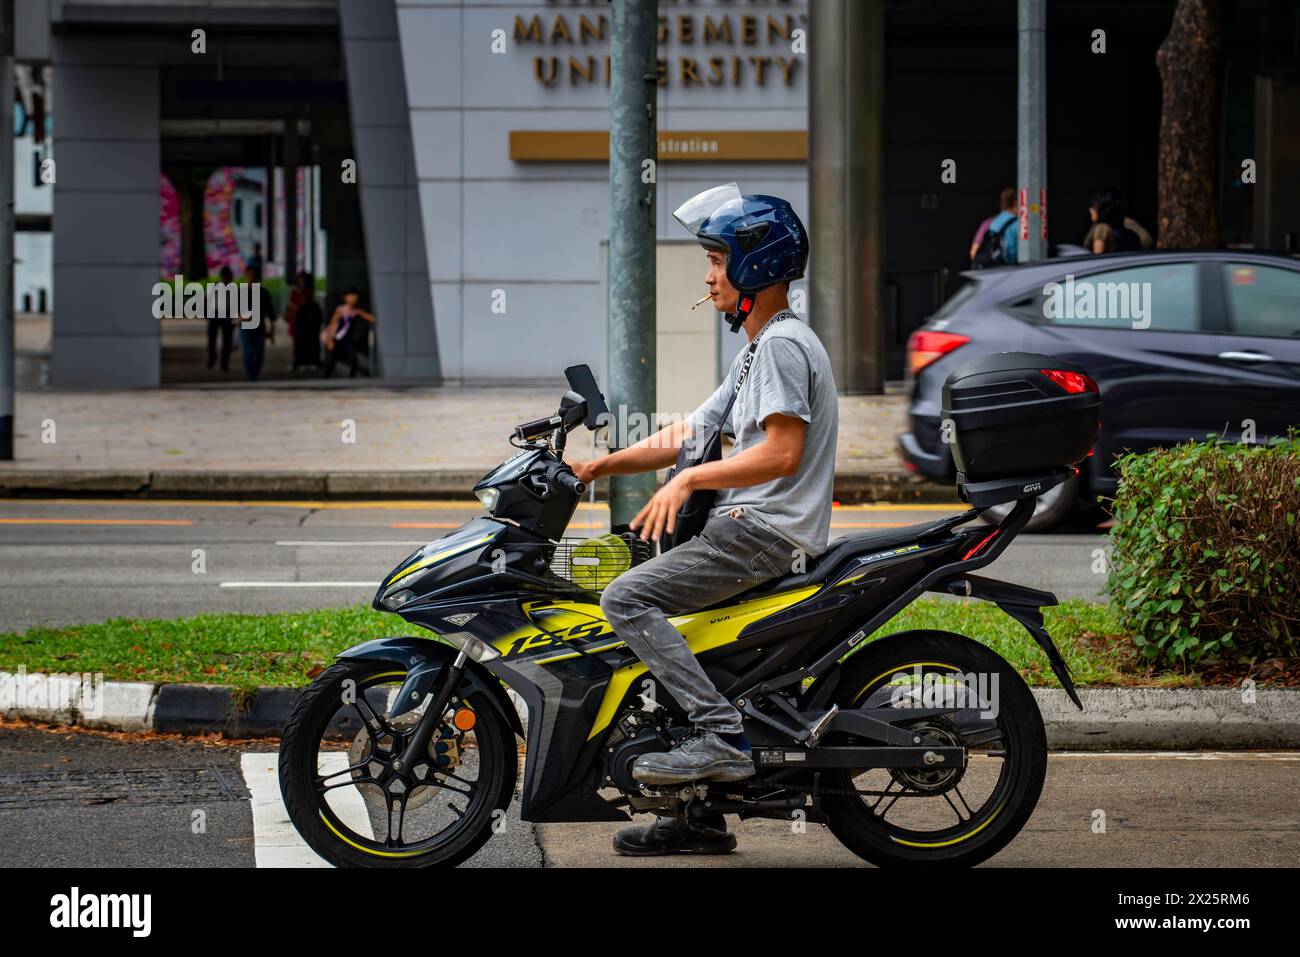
{"points": [[703, 300]]}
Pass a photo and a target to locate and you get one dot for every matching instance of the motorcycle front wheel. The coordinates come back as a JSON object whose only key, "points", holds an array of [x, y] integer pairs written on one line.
{"points": [[944, 816], [350, 803]]}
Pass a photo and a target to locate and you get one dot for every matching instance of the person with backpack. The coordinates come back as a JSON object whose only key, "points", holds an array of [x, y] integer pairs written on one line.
{"points": [[1110, 232], [995, 241]]}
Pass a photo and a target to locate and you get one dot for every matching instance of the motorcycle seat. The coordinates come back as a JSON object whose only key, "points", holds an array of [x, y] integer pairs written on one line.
{"points": [[837, 554]]}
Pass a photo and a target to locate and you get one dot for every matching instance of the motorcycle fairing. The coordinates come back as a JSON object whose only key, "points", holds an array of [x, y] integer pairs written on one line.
{"points": [[576, 676]]}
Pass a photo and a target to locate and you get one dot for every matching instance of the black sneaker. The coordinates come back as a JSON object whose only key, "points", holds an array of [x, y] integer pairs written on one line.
{"points": [[672, 835], [701, 756]]}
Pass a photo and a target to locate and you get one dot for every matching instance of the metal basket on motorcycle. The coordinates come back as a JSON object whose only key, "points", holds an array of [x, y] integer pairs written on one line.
{"points": [[592, 563]]}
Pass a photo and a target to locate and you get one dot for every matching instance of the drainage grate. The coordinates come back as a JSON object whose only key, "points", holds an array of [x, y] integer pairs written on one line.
{"points": [[131, 787]]}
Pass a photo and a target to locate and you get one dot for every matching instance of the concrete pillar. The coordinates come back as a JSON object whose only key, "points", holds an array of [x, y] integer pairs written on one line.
{"points": [[1031, 131], [400, 294], [290, 200], [846, 154], [106, 220], [7, 355]]}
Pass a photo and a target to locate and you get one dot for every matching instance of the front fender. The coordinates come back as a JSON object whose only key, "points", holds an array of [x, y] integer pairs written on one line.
{"points": [[425, 661]]}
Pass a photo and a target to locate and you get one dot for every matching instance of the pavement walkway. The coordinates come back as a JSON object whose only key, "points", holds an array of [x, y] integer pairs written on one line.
{"points": [[342, 439]]}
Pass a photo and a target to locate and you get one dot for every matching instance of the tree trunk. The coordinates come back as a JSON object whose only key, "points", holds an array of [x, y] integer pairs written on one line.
{"points": [[1190, 63]]}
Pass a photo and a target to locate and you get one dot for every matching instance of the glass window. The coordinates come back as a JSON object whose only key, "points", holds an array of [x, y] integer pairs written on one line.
{"points": [[957, 299], [239, 212], [1162, 297], [1262, 300]]}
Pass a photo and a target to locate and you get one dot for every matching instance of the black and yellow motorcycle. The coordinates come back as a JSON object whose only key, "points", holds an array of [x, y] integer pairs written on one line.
{"points": [[918, 748]]}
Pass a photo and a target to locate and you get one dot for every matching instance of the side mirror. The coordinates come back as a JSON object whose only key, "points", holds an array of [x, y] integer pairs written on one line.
{"points": [[583, 382], [573, 410]]}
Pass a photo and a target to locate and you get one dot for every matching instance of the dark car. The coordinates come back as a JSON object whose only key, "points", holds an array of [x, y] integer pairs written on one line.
{"points": [[1181, 344]]}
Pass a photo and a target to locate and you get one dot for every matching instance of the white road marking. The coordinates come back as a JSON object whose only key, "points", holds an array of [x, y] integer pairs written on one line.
{"points": [[275, 841], [1185, 755], [369, 584], [354, 544]]}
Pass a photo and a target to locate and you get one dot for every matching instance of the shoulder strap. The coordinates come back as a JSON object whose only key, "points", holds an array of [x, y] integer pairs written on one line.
{"points": [[749, 360]]}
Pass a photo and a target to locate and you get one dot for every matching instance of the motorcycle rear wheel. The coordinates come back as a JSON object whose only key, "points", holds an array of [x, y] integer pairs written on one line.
{"points": [[1015, 737]]}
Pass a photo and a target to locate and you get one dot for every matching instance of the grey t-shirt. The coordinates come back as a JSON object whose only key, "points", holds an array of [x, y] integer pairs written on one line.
{"points": [[791, 375]]}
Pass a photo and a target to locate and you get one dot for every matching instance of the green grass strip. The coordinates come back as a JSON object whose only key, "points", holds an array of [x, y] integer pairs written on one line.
{"points": [[289, 648]]}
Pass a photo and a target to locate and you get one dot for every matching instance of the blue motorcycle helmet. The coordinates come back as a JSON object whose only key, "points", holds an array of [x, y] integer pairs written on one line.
{"points": [[762, 237]]}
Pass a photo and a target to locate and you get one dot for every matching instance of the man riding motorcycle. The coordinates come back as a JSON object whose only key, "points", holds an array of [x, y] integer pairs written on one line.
{"points": [[773, 508]]}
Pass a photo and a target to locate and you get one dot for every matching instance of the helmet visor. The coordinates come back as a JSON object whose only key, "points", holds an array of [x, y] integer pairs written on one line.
{"points": [[695, 211]]}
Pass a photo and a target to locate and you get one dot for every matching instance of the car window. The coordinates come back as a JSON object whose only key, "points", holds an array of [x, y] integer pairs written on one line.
{"points": [[1163, 297], [956, 299], [1262, 300]]}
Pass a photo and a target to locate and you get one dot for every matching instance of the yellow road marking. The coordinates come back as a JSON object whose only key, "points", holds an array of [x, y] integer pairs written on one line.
{"points": [[380, 504], [96, 521]]}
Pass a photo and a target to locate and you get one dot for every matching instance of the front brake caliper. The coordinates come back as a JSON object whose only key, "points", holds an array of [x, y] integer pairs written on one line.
{"points": [[445, 749]]}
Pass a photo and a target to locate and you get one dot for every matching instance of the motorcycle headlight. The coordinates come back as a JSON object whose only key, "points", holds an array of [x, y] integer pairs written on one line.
{"points": [[489, 496], [397, 599]]}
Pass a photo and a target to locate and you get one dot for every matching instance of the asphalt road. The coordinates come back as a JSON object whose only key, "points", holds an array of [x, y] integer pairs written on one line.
{"points": [[70, 561], [88, 800]]}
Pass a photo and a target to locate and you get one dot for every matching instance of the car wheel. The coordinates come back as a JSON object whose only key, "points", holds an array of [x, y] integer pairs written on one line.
{"points": [[1053, 507]]}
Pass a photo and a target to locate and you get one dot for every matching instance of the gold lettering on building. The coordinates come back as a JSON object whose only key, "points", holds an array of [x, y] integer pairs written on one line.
{"points": [[775, 31]]}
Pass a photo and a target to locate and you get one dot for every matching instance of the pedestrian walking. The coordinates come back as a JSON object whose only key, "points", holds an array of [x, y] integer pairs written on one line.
{"points": [[1110, 232], [995, 240], [254, 336], [304, 318], [221, 322]]}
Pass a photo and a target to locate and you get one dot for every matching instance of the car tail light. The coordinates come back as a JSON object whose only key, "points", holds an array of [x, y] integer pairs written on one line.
{"points": [[923, 347], [1072, 382]]}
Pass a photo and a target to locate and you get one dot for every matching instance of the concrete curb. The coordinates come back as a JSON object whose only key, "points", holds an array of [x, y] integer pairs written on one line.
{"points": [[446, 483], [1136, 719], [1171, 719]]}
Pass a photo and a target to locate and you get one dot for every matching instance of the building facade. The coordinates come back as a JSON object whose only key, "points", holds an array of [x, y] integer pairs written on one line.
{"points": [[462, 151]]}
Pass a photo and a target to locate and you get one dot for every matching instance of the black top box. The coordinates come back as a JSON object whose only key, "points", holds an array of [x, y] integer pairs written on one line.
{"points": [[1019, 413]]}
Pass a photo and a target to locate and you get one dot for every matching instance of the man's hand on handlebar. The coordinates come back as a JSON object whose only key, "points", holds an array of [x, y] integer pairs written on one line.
{"points": [[586, 471]]}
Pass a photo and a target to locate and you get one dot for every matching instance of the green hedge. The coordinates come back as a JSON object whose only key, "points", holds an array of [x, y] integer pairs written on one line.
{"points": [[1205, 560]]}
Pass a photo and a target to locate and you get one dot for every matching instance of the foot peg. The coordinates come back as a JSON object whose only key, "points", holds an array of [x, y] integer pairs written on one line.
{"points": [[820, 725], [801, 729]]}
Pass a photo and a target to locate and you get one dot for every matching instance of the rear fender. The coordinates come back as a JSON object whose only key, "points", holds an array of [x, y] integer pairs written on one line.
{"points": [[1025, 605], [425, 661]]}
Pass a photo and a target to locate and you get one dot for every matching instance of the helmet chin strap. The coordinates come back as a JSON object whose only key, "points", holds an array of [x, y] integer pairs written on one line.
{"points": [[743, 308]]}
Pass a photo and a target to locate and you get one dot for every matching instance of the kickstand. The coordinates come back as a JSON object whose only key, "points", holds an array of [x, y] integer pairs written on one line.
{"points": [[815, 812]]}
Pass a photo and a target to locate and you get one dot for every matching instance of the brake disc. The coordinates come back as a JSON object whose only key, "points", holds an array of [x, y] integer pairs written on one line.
{"points": [[444, 755]]}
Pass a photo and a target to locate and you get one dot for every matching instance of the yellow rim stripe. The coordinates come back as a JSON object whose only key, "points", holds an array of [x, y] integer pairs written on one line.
{"points": [[367, 850], [349, 841], [899, 840], [910, 664], [955, 840]]}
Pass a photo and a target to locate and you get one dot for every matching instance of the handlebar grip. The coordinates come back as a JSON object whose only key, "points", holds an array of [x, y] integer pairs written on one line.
{"points": [[571, 482]]}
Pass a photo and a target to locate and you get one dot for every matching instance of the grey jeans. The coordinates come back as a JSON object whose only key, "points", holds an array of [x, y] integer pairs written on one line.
{"points": [[731, 555]]}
